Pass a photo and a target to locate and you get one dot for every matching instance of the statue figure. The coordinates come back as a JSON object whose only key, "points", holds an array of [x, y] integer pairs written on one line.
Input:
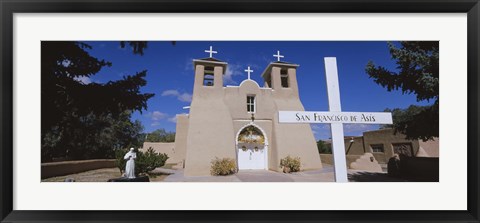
{"points": [[130, 167]]}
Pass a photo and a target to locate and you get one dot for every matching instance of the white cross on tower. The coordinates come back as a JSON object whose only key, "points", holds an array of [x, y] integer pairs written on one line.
{"points": [[336, 118], [211, 51], [278, 56], [248, 72]]}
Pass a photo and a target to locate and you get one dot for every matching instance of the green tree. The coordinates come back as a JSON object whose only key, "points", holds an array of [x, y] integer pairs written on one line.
{"points": [[85, 120], [138, 47], [416, 73], [417, 119], [91, 136], [323, 147], [160, 135]]}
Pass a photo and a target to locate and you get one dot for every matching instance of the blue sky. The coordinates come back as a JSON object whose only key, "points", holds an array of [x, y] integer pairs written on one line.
{"points": [[170, 75]]}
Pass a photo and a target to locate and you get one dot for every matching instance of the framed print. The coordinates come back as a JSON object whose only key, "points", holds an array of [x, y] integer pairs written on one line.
{"points": [[239, 111]]}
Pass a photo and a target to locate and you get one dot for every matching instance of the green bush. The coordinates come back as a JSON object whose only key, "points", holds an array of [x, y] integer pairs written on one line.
{"points": [[323, 147], [225, 166], [290, 164], [145, 161], [149, 160], [119, 161]]}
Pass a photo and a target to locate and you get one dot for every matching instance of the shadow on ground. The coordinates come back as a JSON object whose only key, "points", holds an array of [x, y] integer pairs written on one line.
{"points": [[101, 175], [372, 177]]}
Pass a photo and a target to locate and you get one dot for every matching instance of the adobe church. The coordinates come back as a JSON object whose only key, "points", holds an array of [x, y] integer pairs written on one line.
{"points": [[241, 122]]}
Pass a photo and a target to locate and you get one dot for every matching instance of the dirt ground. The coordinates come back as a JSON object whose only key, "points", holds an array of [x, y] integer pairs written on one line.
{"points": [[100, 175]]}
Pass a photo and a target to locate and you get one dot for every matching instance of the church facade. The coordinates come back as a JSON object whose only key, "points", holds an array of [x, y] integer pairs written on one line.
{"points": [[241, 122]]}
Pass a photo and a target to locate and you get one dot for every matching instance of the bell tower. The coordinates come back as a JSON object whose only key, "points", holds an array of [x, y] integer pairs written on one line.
{"points": [[208, 74], [281, 76], [209, 116]]}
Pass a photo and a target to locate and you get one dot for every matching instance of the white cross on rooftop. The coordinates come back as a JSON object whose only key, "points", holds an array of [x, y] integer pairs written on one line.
{"points": [[211, 51], [248, 71], [278, 56]]}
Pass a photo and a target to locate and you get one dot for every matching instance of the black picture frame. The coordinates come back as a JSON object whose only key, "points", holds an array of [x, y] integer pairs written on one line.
{"points": [[10, 7]]}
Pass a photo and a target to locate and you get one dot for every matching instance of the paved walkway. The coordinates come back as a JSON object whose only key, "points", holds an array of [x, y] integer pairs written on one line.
{"points": [[170, 175], [323, 175]]}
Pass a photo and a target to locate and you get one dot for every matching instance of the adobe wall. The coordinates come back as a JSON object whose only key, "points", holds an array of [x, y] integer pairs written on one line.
{"points": [[328, 159], [181, 138], [356, 147], [431, 147], [162, 147], [296, 140], [55, 169], [210, 132], [236, 99], [387, 138]]}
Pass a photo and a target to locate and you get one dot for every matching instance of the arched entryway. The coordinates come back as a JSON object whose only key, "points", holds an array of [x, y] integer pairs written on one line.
{"points": [[252, 148]]}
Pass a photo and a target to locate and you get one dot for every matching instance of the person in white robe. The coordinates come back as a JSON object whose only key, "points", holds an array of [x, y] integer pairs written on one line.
{"points": [[130, 167]]}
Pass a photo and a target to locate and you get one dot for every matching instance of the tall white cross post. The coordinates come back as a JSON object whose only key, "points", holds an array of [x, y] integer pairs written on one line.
{"points": [[211, 51], [336, 118], [334, 105], [278, 56], [248, 72]]}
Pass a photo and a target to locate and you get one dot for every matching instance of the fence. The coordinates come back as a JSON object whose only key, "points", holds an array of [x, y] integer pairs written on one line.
{"points": [[71, 167]]}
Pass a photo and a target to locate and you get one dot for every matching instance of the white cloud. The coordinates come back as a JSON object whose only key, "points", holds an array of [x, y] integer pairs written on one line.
{"points": [[170, 92], [189, 64], [323, 127], [185, 97], [358, 129], [83, 79], [321, 131], [232, 70], [173, 119], [315, 127], [157, 115]]}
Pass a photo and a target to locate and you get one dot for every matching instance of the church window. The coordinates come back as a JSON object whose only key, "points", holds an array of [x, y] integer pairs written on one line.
{"points": [[284, 77], [377, 148], [251, 103], [208, 76]]}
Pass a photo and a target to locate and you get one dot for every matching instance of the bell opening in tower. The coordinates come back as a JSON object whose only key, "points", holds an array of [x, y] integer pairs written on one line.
{"points": [[208, 76]]}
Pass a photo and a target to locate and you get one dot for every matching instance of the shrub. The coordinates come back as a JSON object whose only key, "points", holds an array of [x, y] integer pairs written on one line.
{"points": [[323, 147], [145, 161], [225, 166], [119, 161], [149, 160], [293, 164]]}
